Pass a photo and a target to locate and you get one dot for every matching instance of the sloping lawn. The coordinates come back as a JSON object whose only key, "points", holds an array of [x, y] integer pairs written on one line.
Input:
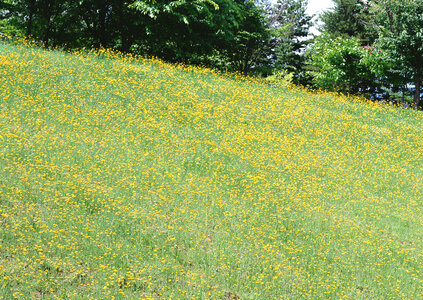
{"points": [[132, 178]]}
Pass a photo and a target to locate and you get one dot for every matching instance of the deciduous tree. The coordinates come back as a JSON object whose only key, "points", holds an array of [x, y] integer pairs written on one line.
{"points": [[400, 26]]}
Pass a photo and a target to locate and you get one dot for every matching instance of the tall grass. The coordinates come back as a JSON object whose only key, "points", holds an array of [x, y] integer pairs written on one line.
{"points": [[122, 177]]}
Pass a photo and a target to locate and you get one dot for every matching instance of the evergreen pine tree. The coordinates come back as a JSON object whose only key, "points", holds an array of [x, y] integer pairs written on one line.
{"points": [[350, 18], [291, 27]]}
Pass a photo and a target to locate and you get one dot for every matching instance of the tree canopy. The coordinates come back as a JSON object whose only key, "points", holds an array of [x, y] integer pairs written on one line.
{"points": [[227, 34], [400, 26], [349, 18]]}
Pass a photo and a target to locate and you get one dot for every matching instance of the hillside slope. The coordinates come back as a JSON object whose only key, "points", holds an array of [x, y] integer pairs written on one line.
{"points": [[133, 178]]}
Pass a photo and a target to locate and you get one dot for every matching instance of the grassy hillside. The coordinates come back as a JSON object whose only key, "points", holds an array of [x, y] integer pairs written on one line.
{"points": [[130, 178]]}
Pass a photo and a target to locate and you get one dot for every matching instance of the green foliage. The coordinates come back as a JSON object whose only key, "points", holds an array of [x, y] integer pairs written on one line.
{"points": [[229, 35], [337, 65], [281, 77], [250, 48], [401, 35], [392, 33], [154, 8], [9, 30], [388, 68]]}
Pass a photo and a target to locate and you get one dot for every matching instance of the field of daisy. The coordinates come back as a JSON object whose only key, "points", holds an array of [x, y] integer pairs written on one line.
{"points": [[131, 178]]}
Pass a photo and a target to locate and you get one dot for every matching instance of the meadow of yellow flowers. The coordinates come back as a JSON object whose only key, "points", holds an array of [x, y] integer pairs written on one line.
{"points": [[123, 177]]}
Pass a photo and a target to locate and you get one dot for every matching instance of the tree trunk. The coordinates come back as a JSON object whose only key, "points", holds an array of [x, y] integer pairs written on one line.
{"points": [[403, 94], [417, 90], [31, 7], [123, 27], [102, 15], [47, 14], [46, 35], [247, 57]]}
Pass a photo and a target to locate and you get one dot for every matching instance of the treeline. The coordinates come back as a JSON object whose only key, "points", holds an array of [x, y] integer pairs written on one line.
{"points": [[368, 47], [231, 35]]}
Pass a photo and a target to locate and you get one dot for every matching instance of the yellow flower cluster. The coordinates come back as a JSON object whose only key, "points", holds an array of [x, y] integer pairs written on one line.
{"points": [[122, 177]]}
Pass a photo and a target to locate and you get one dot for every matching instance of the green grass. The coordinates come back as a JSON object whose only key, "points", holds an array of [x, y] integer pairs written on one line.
{"points": [[132, 178]]}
